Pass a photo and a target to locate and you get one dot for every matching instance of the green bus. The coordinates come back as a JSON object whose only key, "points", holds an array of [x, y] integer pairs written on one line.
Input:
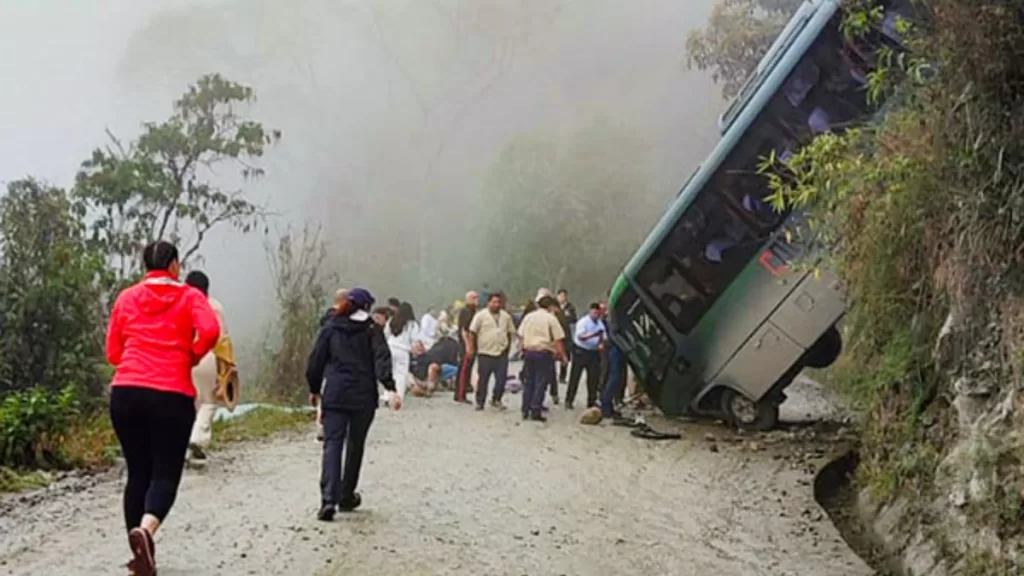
{"points": [[710, 313]]}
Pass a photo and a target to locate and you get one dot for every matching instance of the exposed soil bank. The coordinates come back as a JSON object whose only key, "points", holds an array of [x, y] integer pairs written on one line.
{"points": [[451, 491]]}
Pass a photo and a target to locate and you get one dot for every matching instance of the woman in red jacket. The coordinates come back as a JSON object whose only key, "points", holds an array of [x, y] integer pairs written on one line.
{"points": [[159, 329]]}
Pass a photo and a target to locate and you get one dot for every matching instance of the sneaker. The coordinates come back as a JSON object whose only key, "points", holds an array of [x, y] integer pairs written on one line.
{"points": [[350, 503], [326, 513], [538, 418], [143, 562], [498, 405]]}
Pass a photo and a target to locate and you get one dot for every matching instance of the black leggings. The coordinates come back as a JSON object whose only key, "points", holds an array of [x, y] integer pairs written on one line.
{"points": [[153, 428]]}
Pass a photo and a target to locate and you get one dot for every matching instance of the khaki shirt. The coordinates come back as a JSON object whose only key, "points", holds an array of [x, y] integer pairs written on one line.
{"points": [[493, 332], [540, 330]]}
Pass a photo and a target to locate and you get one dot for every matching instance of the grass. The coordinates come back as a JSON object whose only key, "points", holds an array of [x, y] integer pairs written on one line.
{"points": [[257, 424], [12, 480], [92, 445]]}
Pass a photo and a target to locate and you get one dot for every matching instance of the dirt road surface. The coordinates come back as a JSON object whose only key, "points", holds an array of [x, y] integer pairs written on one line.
{"points": [[450, 491]]}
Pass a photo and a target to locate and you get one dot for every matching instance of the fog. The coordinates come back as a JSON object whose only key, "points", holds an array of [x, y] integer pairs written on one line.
{"points": [[392, 111]]}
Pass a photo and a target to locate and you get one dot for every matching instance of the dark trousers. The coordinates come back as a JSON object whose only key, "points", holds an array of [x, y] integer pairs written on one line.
{"points": [[465, 375], [615, 386], [564, 365], [153, 428], [553, 378], [348, 429], [590, 361], [540, 371], [487, 366]]}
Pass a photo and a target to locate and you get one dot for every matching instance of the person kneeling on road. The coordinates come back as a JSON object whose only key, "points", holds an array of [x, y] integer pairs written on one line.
{"points": [[430, 366], [349, 358]]}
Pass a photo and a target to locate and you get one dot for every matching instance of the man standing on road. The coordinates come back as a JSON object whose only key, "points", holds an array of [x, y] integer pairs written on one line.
{"points": [[542, 335], [589, 335], [491, 334], [568, 323], [464, 385], [557, 311]]}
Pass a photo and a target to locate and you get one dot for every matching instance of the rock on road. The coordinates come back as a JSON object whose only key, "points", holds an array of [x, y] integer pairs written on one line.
{"points": [[450, 491]]}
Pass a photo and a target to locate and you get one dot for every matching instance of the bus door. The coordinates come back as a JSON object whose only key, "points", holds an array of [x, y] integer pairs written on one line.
{"points": [[661, 365]]}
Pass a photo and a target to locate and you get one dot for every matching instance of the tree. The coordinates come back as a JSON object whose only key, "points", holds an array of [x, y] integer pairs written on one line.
{"points": [[298, 267], [565, 214], [157, 187], [738, 34], [49, 292]]}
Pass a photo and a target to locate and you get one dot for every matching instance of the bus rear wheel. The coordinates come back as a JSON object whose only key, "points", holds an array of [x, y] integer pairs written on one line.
{"points": [[826, 350], [746, 414]]}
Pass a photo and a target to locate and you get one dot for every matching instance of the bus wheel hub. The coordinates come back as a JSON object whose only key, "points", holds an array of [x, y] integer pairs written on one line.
{"points": [[743, 409]]}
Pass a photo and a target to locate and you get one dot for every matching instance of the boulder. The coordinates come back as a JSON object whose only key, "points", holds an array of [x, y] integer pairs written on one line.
{"points": [[591, 416]]}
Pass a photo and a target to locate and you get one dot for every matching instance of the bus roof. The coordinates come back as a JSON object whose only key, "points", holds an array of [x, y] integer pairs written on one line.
{"points": [[767, 63], [798, 35]]}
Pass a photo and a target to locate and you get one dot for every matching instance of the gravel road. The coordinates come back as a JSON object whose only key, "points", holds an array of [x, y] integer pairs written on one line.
{"points": [[450, 491]]}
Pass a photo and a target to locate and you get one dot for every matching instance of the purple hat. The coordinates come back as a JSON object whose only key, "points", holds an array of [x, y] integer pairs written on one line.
{"points": [[360, 298]]}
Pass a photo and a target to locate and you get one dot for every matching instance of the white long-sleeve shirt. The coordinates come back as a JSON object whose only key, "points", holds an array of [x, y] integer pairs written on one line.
{"points": [[404, 340], [428, 330]]}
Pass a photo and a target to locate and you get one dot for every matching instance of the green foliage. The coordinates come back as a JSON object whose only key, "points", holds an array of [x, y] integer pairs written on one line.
{"points": [[158, 187], [32, 426], [50, 292], [738, 34], [63, 256]]}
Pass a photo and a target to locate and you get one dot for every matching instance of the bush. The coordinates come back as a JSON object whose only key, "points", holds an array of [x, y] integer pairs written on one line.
{"points": [[33, 426]]}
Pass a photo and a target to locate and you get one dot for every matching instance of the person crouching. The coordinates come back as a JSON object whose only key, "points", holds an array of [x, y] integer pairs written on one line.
{"points": [[348, 359]]}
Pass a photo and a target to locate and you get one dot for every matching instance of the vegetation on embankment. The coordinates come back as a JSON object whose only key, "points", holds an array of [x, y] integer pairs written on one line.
{"points": [[927, 210], [927, 206]]}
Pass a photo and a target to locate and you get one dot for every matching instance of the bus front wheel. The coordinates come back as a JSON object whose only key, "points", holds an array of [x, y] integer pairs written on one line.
{"points": [[746, 414]]}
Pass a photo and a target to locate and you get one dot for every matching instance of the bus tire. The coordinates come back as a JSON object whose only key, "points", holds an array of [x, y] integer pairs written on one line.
{"points": [[826, 350], [745, 414]]}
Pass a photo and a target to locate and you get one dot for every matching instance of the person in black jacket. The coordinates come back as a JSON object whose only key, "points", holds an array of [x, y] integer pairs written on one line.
{"points": [[348, 359]]}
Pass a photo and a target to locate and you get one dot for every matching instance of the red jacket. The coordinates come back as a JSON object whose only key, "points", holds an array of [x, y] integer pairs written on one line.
{"points": [[159, 328]]}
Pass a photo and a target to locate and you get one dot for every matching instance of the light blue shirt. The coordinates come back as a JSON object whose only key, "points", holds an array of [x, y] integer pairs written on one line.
{"points": [[588, 325]]}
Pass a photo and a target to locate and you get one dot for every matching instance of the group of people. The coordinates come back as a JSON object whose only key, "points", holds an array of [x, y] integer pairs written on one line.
{"points": [[169, 345], [546, 333]]}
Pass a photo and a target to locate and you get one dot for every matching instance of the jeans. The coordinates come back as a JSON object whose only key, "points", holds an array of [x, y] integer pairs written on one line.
{"points": [[346, 429], [616, 383], [540, 371], [488, 365], [153, 428]]}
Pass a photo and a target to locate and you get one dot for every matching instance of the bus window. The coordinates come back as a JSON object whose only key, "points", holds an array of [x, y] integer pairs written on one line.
{"points": [[699, 258], [741, 183], [675, 296], [800, 82]]}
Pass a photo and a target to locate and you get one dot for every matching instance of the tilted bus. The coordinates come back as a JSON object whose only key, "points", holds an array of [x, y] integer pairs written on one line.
{"points": [[711, 313]]}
